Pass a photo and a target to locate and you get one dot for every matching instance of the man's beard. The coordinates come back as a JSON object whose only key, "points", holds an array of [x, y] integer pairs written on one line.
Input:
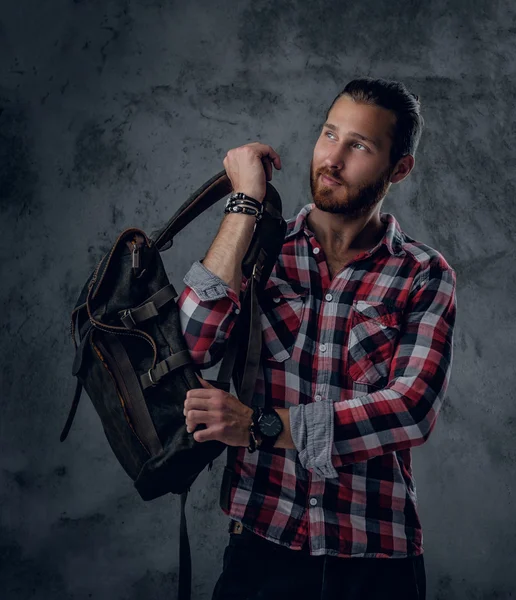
{"points": [[356, 205]]}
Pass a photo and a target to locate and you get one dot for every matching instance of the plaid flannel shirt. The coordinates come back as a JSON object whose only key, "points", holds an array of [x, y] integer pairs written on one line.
{"points": [[362, 361]]}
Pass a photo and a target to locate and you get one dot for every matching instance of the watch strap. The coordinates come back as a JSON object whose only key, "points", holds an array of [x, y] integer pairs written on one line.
{"points": [[253, 431]]}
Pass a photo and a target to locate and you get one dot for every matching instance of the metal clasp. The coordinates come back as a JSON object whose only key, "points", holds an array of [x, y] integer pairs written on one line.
{"points": [[127, 313], [153, 383], [257, 272]]}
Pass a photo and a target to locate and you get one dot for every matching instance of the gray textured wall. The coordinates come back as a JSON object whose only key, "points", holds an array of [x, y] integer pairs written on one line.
{"points": [[111, 113]]}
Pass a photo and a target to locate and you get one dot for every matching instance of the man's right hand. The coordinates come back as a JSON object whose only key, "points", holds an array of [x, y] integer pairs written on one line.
{"points": [[249, 167]]}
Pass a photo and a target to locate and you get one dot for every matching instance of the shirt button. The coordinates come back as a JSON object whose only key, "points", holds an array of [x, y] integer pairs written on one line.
{"points": [[276, 300], [237, 311], [322, 347], [318, 397], [313, 501], [328, 297], [316, 250]]}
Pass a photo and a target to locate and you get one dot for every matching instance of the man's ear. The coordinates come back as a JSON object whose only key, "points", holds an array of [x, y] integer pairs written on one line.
{"points": [[403, 167]]}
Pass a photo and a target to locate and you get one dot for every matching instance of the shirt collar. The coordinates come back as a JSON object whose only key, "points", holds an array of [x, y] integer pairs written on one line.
{"points": [[393, 238]]}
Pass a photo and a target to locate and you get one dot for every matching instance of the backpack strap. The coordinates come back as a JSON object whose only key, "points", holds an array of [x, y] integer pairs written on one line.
{"points": [[73, 410], [257, 266], [130, 317], [208, 194], [244, 370], [86, 330], [174, 361], [185, 560]]}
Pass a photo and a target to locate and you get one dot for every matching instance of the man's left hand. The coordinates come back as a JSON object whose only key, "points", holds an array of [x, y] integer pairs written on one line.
{"points": [[226, 418]]}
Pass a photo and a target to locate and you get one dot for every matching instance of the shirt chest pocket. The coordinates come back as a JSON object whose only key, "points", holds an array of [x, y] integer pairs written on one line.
{"points": [[282, 307], [374, 331]]}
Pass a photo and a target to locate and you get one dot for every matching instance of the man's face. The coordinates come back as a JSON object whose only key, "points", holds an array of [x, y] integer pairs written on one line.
{"points": [[350, 168]]}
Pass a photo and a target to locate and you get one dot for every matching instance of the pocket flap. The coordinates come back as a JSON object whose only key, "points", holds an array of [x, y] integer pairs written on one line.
{"points": [[282, 306], [280, 288], [387, 315]]}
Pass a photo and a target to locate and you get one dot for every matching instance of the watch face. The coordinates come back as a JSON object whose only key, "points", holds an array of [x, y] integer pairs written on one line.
{"points": [[270, 424]]}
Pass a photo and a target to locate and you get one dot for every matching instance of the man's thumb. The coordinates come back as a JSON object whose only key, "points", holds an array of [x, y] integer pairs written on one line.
{"points": [[205, 384]]}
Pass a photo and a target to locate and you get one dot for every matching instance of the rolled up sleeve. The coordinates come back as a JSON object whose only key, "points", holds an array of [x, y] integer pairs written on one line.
{"points": [[208, 309], [311, 428]]}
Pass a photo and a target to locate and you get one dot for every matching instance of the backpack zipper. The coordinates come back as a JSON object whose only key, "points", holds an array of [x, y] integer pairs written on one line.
{"points": [[135, 254]]}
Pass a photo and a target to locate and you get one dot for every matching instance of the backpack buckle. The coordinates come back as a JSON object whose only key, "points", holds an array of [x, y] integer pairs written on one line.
{"points": [[153, 383], [257, 272], [127, 318]]}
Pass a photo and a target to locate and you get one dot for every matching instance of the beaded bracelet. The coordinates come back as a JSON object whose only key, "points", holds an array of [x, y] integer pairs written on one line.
{"points": [[241, 207], [242, 196], [239, 202], [232, 202]]}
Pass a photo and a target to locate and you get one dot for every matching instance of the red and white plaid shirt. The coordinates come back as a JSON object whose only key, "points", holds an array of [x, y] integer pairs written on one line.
{"points": [[362, 362]]}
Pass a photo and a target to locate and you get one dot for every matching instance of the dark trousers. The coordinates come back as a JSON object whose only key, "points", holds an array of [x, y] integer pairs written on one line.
{"points": [[256, 569]]}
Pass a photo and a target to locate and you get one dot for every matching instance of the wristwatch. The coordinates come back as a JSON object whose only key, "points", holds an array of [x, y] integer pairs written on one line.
{"points": [[269, 425]]}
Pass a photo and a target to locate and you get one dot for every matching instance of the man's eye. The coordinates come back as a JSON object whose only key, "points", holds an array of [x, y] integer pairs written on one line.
{"points": [[329, 133], [359, 144]]}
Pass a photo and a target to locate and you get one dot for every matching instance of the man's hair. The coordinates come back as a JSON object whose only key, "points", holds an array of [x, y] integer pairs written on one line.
{"points": [[394, 96]]}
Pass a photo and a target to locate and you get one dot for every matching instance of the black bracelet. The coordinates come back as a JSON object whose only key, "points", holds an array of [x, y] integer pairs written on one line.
{"points": [[237, 200], [232, 202], [246, 210], [242, 196]]}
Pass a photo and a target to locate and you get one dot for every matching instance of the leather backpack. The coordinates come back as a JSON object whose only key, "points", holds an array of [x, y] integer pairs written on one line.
{"points": [[133, 362]]}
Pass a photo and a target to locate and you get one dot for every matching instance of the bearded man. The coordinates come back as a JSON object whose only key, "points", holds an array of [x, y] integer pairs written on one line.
{"points": [[357, 321]]}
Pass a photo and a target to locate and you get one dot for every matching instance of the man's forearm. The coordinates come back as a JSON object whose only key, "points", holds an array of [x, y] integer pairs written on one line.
{"points": [[225, 256]]}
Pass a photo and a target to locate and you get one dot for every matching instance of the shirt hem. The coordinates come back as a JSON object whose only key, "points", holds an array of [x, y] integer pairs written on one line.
{"points": [[324, 551]]}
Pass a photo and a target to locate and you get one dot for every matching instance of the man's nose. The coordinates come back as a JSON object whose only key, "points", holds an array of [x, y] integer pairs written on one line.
{"points": [[335, 160]]}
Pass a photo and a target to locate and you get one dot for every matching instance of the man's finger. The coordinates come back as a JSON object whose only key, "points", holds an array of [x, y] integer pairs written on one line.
{"points": [[275, 157], [204, 435], [198, 417], [202, 393], [264, 150], [268, 167], [196, 403]]}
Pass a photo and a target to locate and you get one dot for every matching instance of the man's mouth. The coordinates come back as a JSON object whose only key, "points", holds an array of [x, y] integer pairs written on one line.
{"points": [[327, 180]]}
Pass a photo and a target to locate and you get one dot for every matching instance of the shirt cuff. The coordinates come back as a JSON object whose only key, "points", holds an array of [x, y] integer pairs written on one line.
{"points": [[206, 284], [311, 427]]}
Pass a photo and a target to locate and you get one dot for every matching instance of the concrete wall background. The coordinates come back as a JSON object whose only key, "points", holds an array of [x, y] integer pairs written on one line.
{"points": [[111, 113]]}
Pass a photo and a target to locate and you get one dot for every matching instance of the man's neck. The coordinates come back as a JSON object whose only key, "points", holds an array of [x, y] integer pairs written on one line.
{"points": [[339, 235]]}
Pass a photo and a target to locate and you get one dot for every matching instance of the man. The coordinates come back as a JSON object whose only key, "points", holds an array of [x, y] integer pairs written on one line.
{"points": [[357, 324]]}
